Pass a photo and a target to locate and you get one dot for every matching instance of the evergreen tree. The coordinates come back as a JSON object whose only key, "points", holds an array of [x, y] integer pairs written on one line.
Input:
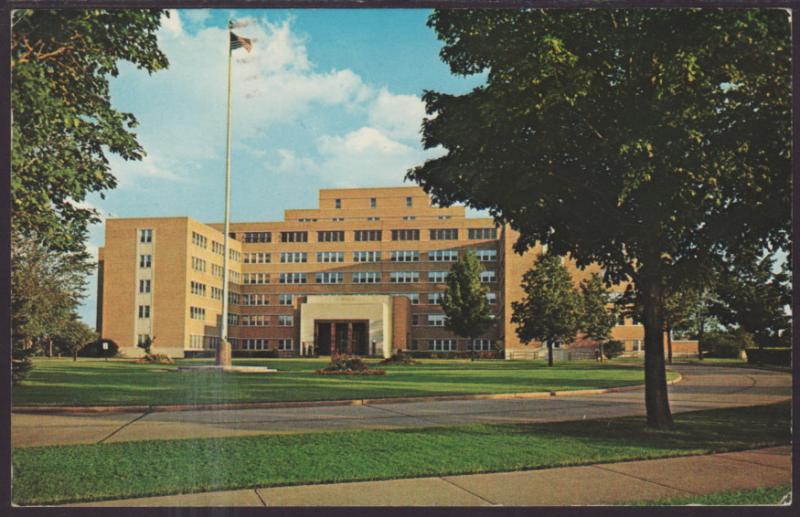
{"points": [[598, 315], [464, 301]]}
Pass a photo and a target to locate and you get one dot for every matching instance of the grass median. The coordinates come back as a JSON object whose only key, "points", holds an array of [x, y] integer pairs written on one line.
{"points": [[60, 474], [55, 382]]}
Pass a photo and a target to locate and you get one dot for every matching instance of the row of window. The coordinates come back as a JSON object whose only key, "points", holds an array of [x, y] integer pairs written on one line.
{"points": [[450, 345], [434, 234], [199, 342], [361, 277], [200, 241]]}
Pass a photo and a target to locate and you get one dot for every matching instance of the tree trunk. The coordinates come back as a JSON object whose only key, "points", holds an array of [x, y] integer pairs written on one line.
{"points": [[700, 338], [549, 354], [50, 345], [655, 375], [74, 355], [669, 344]]}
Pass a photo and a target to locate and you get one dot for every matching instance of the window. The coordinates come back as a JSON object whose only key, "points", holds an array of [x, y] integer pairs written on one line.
{"points": [[486, 255], [409, 202], [366, 277], [338, 203], [199, 264], [308, 219], [437, 276], [415, 320], [409, 218], [216, 270], [142, 338], [233, 319], [414, 297], [292, 278], [198, 288], [144, 286], [255, 278], [257, 258], [443, 256], [217, 247], [330, 256], [233, 276], [197, 313], [235, 255], [144, 311], [285, 320], [367, 235], [330, 236], [404, 256], [488, 276], [336, 219], [444, 234], [442, 345], [373, 202], [414, 344], [253, 344], [405, 235], [491, 298], [373, 218], [294, 236], [403, 277], [216, 293], [366, 256], [255, 299], [482, 233], [285, 299], [145, 261], [254, 320], [480, 345], [435, 298], [232, 235], [233, 298], [444, 217], [436, 320], [199, 240], [257, 236], [330, 278], [145, 236], [284, 344], [293, 256]]}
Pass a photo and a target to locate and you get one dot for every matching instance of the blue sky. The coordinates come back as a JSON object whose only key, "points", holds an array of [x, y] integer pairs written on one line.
{"points": [[327, 98]]}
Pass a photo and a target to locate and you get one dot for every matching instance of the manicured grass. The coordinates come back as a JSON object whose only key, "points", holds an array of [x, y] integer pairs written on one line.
{"points": [[118, 470], [767, 495], [123, 382]]}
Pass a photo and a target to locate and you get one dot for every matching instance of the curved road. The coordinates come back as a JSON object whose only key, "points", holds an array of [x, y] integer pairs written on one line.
{"points": [[702, 387]]}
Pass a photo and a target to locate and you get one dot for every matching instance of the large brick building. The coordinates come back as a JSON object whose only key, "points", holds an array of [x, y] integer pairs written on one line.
{"points": [[361, 273]]}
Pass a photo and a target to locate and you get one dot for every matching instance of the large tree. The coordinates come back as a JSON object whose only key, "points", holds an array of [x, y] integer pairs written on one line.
{"points": [[550, 312], [649, 141], [464, 301], [63, 124]]}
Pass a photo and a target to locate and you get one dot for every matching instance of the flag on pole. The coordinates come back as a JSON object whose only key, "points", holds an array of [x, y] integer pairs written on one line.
{"points": [[239, 42]]}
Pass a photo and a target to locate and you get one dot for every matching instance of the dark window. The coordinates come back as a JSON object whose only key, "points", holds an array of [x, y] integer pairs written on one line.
{"points": [[338, 203], [373, 202], [257, 237], [294, 236], [330, 236], [409, 202], [368, 235], [405, 235], [482, 233], [444, 234]]}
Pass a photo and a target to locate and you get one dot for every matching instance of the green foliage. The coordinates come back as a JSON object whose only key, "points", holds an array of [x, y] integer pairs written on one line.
{"points": [[551, 310], [95, 349], [726, 344], [649, 141], [73, 336], [613, 348], [63, 122], [343, 364], [598, 317], [21, 363], [464, 301], [146, 344], [753, 297]]}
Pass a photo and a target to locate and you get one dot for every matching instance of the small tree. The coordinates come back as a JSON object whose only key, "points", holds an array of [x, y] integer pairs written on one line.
{"points": [[464, 301], [145, 344], [74, 336], [597, 316], [551, 309]]}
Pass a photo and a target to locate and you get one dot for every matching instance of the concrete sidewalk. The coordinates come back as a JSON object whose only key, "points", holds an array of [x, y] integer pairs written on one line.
{"points": [[602, 484]]}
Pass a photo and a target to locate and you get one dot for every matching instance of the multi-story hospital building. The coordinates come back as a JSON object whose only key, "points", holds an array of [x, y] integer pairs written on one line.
{"points": [[362, 274]]}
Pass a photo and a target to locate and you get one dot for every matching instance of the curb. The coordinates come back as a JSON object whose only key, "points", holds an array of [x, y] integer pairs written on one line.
{"points": [[172, 408]]}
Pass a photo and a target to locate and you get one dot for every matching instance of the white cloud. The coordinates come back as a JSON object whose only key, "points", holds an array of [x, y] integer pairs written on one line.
{"points": [[151, 167], [399, 115], [197, 16], [172, 23]]}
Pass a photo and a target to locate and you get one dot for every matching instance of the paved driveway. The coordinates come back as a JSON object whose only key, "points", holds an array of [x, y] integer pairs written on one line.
{"points": [[703, 387]]}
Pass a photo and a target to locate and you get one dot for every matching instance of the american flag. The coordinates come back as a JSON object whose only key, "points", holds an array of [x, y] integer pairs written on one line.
{"points": [[239, 42]]}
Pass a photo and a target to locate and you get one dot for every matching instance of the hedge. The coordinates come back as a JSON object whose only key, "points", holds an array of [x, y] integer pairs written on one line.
{"points": [[773, 356]]}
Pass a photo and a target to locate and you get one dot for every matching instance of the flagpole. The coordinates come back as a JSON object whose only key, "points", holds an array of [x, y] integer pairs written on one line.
{"points": [[224, 348]]}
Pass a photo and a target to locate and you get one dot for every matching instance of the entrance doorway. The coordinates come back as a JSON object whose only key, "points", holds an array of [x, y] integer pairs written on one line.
{"points": [[341, 336]]}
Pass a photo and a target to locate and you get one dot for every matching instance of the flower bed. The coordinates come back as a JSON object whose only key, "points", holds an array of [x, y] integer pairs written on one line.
{"points": [[346, 365]]}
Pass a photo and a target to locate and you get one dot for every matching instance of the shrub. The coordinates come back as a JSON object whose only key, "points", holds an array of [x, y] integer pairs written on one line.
{"points": [[725, 344], [95, 349], [613, 348], [342, 364], [772, 356], [155, 359], [21, 363], [400, 357]]}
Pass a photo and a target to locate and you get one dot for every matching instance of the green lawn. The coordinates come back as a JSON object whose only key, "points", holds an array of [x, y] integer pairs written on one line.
{"points": [[768, 495], [123, 382], [60, 474]]}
